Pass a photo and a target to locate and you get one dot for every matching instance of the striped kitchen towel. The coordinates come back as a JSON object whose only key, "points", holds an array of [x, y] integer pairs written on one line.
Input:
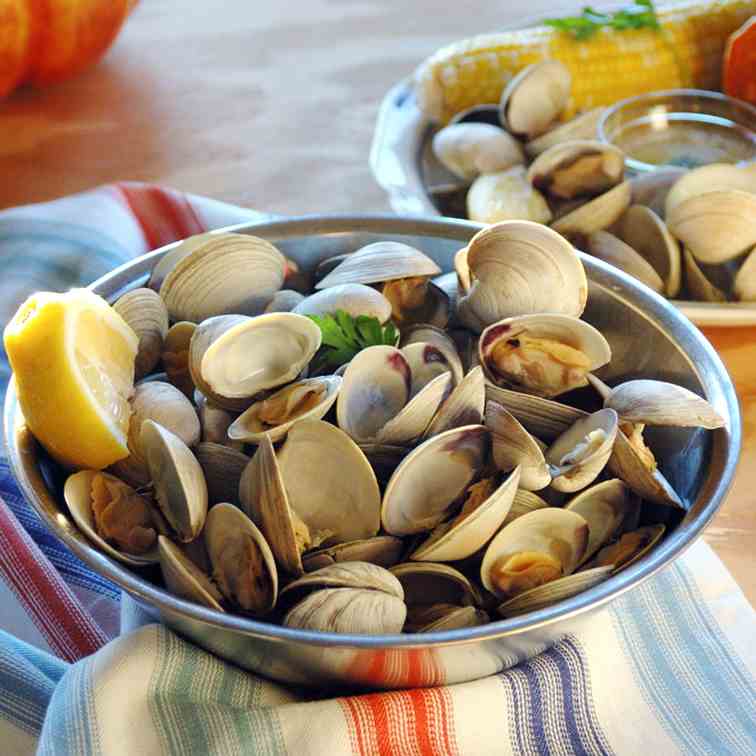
{"points": [[667, 669]]}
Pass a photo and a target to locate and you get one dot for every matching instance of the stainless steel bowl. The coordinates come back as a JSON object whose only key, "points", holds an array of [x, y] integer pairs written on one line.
{"points": [[648, 338]]}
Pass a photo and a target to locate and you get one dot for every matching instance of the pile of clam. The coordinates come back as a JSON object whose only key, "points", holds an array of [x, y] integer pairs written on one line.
{"points": [[422, 486], [686, 234]]}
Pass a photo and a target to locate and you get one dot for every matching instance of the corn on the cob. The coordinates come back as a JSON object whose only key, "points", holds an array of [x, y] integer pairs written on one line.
{"points": [[611, 65]]}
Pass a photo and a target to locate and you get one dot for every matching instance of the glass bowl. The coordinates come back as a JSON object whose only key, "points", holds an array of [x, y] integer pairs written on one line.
{"points": [[680, 127]]}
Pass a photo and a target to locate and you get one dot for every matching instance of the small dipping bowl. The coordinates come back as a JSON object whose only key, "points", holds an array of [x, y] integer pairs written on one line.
{"points": [[680, 127]]}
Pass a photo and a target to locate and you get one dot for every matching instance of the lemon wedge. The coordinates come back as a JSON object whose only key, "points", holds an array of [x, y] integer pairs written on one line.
{"points": [[73, 361]]}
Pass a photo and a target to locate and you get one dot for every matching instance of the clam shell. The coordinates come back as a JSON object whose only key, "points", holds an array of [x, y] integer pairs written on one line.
{"points": [[180, 488], [433, 583], [176, 356], [557, 590], [426, 362], [354, 298], [535, 98], [647, 234], [513, 446], [380, 261], [463, 536], [660, 403], [715, 226], [605, 507], [439, 338], [583, 126], [78, 497], [562, 329], [506, 195], [464, 406], [183, 578], [435, 308], [145, 312], [431, 478], [611, 249], [284, 301], [522, 503], [171, 258], [469, 149], [708, 178], [227, 273], [248, 427], [227, 532], [215, 422], [649, 536], [521, 268], [555, 532], [651, 189], [698, 285], [223, 468], [573, 474], [597, 214], [439, 617], [462, 269], [569, 169], [744, 286], [383, 550]]}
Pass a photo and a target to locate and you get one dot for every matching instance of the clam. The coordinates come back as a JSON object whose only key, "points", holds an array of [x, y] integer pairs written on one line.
{"points": [[579, 168], [464, 406], [535, 98], [351, 597], [226, 273], [233, 358], [611, 249], [179, 484], [629, 548], [309, 398], [383, 550], [429, 583], [284, 300], [578, 456], [462, 269], [744, 286], [354, 298], [374, 404], [469, 149], [176, 356], [557, 590], [167, 406], [440, 339], [544, 355], [642, 229], [715, 226], [583, 126], [426, 362], [145, 312], [184, 578], [597, 214], [172, 257], [513, 446], [243, 565], [431, 478], [698, 285], [223, 468], [708, 178], [606, 507], [485, 506], [533, 550], [433, 618], [518, 268], [522, 503], [506, 195], [215, 422], [113, 516]]}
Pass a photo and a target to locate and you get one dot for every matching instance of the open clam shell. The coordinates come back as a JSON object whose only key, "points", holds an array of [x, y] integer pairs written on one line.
{"points": [[744, 285], [583, 126], [578, 456], [557, 590], [506, 195], [77, 493], [353, 298], [532, 550], [518, 268], [308, 399], [522, 503], [431, 478], [606, 507], [225, 273], [176, 356], [417, 300], [215, 422], [535, 98], [464, 406], [439, 338], [145, 312], [243, 564], [432, 583], [597, 214], [473, 527], [629, 548], [513, 446], [544, 355], [642, 229], [438, 617], [426, 362], [611, 249], [378, 262], [700, 287], [223, 468], [179, 483], [383, 550], [184, 578]]}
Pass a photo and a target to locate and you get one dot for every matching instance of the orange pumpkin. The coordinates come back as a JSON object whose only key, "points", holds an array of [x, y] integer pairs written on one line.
{"points": [[45, 41], [739, 70]]}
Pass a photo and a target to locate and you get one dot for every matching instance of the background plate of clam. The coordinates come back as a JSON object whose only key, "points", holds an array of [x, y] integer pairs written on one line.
{"points": [[690, 235], [376, 447]]}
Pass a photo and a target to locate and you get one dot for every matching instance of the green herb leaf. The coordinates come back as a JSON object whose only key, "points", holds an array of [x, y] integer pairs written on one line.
{"points": [[640, 15]]}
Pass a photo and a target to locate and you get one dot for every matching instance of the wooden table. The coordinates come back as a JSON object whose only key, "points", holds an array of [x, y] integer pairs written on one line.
{"points": [[272, 105]]}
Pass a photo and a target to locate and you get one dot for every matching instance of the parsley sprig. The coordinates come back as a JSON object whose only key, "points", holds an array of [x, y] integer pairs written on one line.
{"points": [[640, 15], [343, 336]]}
